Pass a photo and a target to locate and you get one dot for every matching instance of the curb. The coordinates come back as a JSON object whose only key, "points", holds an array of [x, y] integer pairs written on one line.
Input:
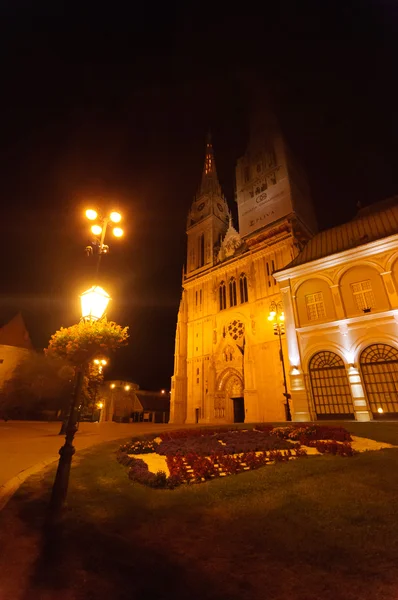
{"points": [[8, 489], [11, 486]]}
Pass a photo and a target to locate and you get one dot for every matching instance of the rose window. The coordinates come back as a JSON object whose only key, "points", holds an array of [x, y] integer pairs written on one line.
{"points": [[236, 330]]}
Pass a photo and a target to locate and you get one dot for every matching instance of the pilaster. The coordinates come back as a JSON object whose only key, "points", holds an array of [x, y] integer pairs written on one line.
{"points": [[299, 404], [390, 288], [338, 303], [361, 410]]}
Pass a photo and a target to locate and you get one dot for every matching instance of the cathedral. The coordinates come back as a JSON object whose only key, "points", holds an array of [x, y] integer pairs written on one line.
{"points": [[276, 321]]}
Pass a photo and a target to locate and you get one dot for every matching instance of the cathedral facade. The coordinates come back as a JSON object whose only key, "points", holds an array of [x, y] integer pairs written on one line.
{"points": [[277, 322], [228, 352]]}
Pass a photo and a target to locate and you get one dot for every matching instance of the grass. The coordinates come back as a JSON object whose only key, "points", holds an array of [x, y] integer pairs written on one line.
{"points": [[323, 527]]}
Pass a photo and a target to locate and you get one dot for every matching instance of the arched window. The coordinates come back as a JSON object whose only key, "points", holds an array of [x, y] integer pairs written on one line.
{"points": [[330, 387], [223, 295], [244, 297], [232, 292], [379, 368]]}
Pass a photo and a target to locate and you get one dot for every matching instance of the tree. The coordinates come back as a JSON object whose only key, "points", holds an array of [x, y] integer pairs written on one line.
{"points": [[80, 344], [38, 383]]}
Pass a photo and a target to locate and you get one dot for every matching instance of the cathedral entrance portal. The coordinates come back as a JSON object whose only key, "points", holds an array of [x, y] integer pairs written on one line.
{"points": [[239, 410], [229, 400]]}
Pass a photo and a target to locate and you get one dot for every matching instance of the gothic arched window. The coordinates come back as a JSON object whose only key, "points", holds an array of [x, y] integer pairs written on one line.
{"points": [[244, 296], [223, 296], [232, 292]]}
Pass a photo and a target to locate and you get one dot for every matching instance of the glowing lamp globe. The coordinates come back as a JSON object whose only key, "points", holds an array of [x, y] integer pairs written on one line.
{"points": [[117, 232], [94, 303], [115, 217], [91, 214], [96, 229]]}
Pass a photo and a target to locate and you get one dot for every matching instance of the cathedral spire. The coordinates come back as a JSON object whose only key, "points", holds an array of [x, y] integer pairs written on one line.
{"points": [[209, 181]]}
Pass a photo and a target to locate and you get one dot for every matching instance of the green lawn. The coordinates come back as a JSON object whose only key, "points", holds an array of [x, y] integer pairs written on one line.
{"points": [[317, 528]]}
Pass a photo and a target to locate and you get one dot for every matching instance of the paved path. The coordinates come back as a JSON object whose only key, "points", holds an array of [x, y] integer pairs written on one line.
{"points": [[24, 444]]}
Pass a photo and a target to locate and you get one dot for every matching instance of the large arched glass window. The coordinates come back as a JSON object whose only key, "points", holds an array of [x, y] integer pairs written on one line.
{"points": [[244, 297], [330, 387], [232, 292], [223, 295], [379, 368]]}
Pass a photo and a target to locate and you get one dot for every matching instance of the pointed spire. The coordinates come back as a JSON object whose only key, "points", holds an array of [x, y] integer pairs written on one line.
{"points": [[209, 181]]}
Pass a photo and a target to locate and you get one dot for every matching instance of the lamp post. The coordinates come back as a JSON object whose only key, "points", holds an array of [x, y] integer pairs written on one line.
{"points": [[277, 317], [94, 303], [99, 230]]}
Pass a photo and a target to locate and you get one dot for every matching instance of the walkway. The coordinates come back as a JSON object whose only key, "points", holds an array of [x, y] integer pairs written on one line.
{"points": [[24, 444]]}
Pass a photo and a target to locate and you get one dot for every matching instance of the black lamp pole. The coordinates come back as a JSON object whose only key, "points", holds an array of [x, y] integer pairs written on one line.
{"points": [[286, 394], [279, 331], [61, 482]]}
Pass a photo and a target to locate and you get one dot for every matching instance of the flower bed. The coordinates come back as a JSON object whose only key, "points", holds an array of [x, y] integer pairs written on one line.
{"points": [[312, 432], [197, 455]]}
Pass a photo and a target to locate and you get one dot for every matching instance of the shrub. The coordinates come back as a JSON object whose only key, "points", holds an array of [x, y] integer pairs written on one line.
{"points": [[203, 445], [334, 447], [202, 454], [256, 441], [202, 467], [140, 473], [311, 432], [124, 459], [140, 447], [178, 469], [226, 442]]}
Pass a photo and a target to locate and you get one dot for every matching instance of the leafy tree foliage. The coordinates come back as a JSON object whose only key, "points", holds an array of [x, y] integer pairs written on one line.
{"points": [[38, 383], [81, 343]]}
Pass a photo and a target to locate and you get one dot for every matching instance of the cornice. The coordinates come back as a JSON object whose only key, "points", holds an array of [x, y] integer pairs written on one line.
{"points": [[385, 316], [333, 260]]}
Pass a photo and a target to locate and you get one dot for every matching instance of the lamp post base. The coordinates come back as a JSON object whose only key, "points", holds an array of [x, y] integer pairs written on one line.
{"points": [[288, 414], [61, 482]]}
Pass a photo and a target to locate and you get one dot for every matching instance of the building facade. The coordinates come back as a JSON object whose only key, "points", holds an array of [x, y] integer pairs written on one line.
{"points": [[341, 293], [123, 401], [227, 358], [15, 346]]}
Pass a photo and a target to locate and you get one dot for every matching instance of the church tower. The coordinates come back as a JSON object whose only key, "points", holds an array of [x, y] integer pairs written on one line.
{"points": [[270, 184], [207, 218], [228, 364]]}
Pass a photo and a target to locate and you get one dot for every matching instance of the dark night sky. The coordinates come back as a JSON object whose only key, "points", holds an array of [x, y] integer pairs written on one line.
{"points": [[115, 106]]}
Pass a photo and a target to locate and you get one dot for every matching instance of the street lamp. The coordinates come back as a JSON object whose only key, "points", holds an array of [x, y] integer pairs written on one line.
{"points": [[94, 303], [100, 363], [277, 317], [99, 230]]}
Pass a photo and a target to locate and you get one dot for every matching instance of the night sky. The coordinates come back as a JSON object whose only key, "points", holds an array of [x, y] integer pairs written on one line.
{"points": [[108, 107]]}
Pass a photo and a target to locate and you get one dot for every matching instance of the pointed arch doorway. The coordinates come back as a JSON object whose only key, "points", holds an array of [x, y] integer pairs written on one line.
{"points": [[229, 400]]}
